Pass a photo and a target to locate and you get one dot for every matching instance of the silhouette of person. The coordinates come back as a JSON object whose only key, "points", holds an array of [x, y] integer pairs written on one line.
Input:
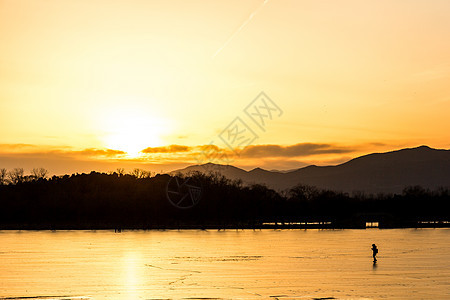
{"points": [[374, 252]]}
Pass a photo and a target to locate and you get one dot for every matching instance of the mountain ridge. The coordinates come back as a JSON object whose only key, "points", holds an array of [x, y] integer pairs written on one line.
{"points": [[386, 172]]}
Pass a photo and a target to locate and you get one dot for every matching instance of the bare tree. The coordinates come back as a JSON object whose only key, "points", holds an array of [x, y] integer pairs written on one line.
{"points": [[3, 173], [16, 175], [120, 171], [39, 173], [139, 173], [304, 192], [149, 174]]}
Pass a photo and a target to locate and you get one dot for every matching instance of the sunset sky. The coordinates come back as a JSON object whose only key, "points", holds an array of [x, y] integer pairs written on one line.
{"points": [[97, 85]]}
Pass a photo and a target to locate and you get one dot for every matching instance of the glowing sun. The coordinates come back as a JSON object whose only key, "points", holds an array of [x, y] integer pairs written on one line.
{"points": [[132, 131]]}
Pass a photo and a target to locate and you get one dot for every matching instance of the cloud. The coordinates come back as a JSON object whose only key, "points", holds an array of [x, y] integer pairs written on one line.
{"points": [[16, 147], [297, 150], [64, 159], [187, 152], [166, 149], [253, 151], [100, 152], [42, 150], [58, 164]]}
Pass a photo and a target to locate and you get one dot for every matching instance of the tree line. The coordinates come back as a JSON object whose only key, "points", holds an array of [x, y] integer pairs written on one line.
{"points": [[138, 199], [17, 175]]}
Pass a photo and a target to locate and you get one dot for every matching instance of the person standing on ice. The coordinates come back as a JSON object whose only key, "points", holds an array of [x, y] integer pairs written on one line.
{"points": [[374, 252]]}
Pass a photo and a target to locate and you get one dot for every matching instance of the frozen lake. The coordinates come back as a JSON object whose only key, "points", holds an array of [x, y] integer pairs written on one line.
{"points": [[266, 264]]}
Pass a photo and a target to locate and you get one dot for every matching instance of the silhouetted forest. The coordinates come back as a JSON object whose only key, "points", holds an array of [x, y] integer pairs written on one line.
{"points": [[138, 200]]}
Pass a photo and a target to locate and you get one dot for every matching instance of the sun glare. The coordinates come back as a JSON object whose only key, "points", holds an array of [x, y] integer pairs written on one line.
{"points": [[133, 131]]}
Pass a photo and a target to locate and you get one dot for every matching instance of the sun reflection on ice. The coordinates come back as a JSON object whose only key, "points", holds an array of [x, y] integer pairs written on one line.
{"points": [[132, 275]]}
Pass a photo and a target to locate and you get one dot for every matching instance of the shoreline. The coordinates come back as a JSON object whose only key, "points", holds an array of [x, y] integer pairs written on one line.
{"points": [[28, 227]]}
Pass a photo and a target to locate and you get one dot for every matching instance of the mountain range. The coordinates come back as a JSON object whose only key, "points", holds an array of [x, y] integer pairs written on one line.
{"points": [[388, 172]]}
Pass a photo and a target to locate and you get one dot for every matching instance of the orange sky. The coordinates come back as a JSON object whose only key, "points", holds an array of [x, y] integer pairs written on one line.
{"points": [[87, 85]]}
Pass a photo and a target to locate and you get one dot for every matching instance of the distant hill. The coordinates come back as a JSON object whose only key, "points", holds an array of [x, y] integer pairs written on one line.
{"points": [[388, 172]]}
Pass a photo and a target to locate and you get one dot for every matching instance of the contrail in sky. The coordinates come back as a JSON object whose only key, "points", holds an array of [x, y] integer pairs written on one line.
{"points": [[240, 28]]}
